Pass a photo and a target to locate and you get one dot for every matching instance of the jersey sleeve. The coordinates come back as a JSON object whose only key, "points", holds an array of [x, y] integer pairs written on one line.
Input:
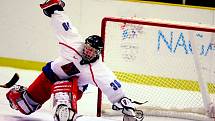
{"points": [[63, 27]]}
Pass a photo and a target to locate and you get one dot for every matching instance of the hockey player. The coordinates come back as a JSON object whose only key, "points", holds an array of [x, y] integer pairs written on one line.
{"points": [[79, 61]]}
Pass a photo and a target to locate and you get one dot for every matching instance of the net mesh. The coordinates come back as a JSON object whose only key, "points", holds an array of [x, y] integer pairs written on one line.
{"points": [[157, 62]]}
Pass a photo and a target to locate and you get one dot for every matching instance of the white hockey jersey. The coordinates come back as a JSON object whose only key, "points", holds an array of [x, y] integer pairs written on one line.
{"points": [[66, 33], [71, 45]]}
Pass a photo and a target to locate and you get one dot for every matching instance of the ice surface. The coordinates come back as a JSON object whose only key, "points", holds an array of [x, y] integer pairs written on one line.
{"points": [[86, 106]]}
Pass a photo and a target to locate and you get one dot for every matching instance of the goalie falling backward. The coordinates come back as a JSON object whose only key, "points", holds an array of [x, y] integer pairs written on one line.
{"points": [[68, 76]]}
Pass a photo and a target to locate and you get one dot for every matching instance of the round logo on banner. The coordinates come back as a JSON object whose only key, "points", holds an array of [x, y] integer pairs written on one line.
{"points": [[129, 41]]}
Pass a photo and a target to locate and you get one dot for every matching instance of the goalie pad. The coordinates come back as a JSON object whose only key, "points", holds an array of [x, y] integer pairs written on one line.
{"points": [[20, 100], [127, 107], [65, 100]]}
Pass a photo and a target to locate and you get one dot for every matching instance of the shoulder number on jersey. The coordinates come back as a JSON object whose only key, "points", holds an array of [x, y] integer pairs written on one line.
{"points": [[66, 26]]}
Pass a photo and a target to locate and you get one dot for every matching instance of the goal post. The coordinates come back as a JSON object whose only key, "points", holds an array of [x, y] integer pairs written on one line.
{"points": [[167, 63]]}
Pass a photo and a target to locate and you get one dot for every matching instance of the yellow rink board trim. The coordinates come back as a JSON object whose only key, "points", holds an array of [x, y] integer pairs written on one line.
{"points": [[23, 64], [189, 85]]}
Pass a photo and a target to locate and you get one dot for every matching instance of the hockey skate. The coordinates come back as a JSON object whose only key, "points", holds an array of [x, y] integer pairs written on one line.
{"points": [[50, 3]]}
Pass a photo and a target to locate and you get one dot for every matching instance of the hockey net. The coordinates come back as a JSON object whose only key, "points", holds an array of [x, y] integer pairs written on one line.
{"points": [[169, 64]]}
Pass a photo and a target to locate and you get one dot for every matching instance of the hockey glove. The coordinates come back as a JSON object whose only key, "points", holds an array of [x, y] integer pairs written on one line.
{"points": [[128, 109], [52, 5]]}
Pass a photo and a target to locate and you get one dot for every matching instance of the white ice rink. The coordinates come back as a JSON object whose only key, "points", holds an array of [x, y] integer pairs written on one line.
{"points": [[86, 106]]}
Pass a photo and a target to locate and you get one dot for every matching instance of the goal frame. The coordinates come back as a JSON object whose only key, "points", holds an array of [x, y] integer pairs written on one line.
{"points": [[203, 86]]}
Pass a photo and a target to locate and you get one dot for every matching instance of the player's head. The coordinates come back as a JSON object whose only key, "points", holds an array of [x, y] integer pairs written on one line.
{"points": [[92, 48]]}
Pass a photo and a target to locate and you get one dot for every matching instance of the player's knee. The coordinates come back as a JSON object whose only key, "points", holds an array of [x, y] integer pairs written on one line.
{"points": [[63, 93], [20, 100]]}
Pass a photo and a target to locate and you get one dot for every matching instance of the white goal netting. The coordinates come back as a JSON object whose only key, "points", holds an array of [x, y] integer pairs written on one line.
{"points": [[168, 64]]}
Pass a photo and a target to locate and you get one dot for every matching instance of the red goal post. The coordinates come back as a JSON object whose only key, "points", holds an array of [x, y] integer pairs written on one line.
{"points": [[170, 55]]}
